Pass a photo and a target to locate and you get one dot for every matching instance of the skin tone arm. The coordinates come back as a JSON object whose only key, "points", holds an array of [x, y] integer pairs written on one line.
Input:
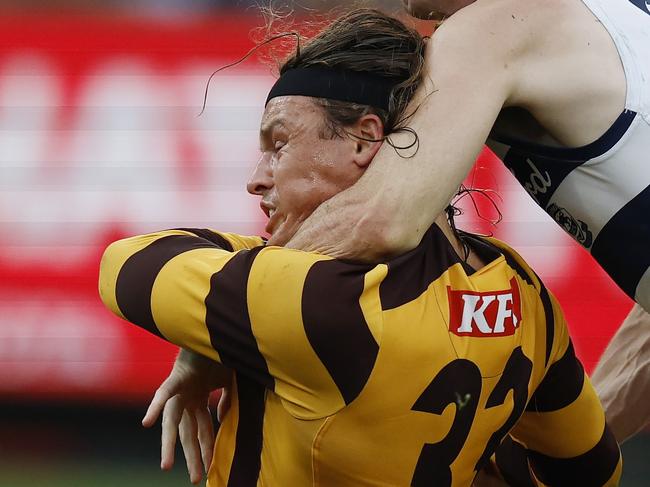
{"points": [[622, 376], [398, 198]]}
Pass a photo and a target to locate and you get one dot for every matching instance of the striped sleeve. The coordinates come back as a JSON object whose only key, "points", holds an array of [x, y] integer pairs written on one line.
{"points": [[562, 438], [563, 433], [292, 321], [226, 241]]}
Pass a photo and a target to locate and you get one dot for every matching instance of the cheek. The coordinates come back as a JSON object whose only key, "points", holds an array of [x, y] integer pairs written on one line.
{"points": [[306, 178], [297, 182], [303, 195]]}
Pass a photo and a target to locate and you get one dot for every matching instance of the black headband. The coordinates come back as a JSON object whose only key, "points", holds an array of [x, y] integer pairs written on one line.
{"points": [[335, 84]]}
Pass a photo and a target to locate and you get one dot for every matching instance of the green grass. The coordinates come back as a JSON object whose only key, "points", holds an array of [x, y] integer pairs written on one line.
{"points": [[89, 475]]}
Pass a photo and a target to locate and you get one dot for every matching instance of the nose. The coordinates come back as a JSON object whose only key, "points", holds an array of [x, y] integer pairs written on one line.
{"points": [[262, 178]]}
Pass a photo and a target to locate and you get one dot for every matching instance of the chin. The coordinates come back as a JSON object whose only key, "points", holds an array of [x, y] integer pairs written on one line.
{"points": [[276, 240], [280, 236]]}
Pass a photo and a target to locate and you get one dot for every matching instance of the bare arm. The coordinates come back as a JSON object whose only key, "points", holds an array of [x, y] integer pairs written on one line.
{"points": [[623, 374], [469, 79]]}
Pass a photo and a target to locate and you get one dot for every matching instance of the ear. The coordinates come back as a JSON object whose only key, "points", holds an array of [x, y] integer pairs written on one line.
{"points": [[367, 136]]}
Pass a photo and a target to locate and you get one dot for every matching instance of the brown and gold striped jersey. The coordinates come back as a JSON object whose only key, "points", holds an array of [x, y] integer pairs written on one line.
{"points": [[409, 372]]}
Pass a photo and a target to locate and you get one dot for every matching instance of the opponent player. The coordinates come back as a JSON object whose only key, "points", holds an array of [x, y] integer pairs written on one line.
{"points": [[408, 372], [562, 89]]}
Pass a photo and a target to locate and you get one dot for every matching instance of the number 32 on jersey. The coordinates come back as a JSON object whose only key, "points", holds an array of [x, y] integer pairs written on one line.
{"points": [[460, 383]]}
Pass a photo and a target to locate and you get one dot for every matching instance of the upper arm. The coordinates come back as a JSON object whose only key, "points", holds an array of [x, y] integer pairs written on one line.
{"points": [[137, 281], [473, 66], [286, 319]]}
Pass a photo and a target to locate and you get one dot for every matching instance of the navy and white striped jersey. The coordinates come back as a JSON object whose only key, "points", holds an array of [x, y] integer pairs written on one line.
{"points": [[600, 193]]}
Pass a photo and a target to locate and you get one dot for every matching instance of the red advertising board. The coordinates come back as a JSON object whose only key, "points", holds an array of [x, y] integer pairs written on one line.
{"points": [[99, 138]]}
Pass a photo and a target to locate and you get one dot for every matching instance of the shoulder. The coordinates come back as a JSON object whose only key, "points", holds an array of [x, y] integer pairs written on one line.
{"points": [[515, 261], [494, 29], [280, 263], [491, 37]]}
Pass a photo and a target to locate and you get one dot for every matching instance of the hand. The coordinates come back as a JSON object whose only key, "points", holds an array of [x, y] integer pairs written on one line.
{"points": [[183, 400], [224, 404]]}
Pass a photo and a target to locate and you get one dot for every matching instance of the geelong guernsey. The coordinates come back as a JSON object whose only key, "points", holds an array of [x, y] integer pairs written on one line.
{"points": [[600, 193]]}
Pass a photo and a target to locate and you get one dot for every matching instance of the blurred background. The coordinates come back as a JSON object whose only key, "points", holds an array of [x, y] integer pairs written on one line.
{"points": [[99, 138]]}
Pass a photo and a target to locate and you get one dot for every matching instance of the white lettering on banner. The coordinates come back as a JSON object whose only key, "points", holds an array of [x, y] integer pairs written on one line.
{"points": [[22, 151], [484, 314], [503, 312], [124, 149], [55, 342], [472, 314]]}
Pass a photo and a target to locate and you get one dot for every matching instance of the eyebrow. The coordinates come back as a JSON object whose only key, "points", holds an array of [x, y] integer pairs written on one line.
{"points": [[267, 127]]}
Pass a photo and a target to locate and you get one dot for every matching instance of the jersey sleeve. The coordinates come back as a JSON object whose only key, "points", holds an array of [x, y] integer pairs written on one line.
{"points": [[562, 437], [292, 321], [224, 240], [563, 433]]}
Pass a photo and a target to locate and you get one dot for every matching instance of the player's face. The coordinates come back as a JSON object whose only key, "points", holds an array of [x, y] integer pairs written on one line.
{"points": [[300, 167], [434, 9]]}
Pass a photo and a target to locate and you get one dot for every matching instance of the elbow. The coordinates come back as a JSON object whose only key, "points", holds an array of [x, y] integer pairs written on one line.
{"points": [[108, 272]]}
